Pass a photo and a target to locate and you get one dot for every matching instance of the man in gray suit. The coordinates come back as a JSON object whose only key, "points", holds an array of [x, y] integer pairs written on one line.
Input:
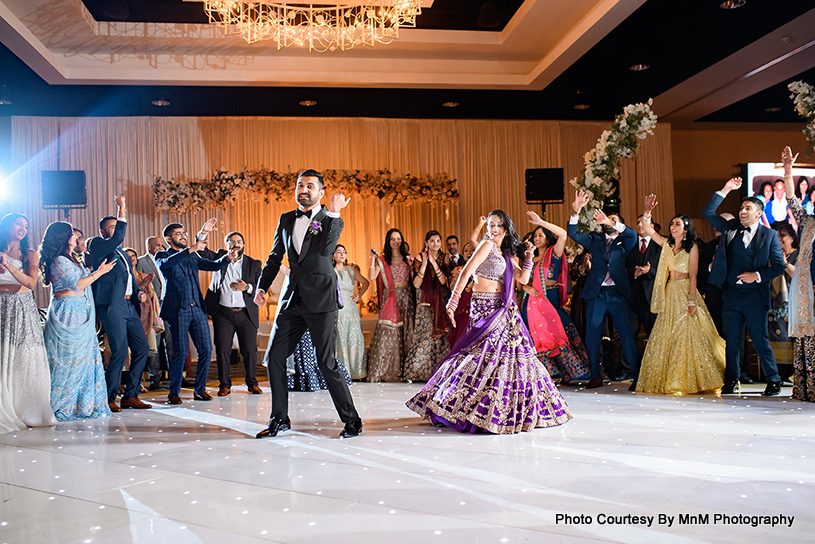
{"points": [[164, 344]]}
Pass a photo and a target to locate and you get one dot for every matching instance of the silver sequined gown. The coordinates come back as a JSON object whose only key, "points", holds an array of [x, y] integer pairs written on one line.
{"points": [[25, 382]]}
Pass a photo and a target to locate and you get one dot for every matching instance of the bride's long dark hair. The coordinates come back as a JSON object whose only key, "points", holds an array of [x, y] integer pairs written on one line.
{"points": [[512, 242]]}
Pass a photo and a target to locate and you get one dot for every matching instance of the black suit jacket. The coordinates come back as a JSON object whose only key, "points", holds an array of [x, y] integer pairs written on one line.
{"points": [[642, 287], [311, 273], [250, 273], [110, 288]]}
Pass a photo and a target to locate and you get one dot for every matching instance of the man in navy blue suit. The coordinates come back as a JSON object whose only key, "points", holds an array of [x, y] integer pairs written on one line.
{"points": [[183, 309], [116, 297], [748, 257], [606, 290]]}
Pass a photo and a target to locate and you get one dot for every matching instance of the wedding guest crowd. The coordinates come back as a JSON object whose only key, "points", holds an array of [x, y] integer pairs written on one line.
{"points": [[694, 301]]}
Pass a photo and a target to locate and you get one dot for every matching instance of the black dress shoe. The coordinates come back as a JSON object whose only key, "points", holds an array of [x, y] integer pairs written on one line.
{"points": [[772, 389], [633, 386], [352, 428], [276, 425], [595, 383], [744, 378], [730, 388]]}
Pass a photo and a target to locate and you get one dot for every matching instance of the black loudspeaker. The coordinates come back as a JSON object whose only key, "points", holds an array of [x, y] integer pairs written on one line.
{"points": [[63, 189], [544, 185]]}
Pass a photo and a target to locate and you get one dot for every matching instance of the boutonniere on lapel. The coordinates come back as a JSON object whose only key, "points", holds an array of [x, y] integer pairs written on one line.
{"points": [[315, 228]]}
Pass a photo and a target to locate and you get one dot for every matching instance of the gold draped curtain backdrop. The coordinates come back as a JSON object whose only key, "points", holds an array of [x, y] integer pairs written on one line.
{"points": [[122, 155]]}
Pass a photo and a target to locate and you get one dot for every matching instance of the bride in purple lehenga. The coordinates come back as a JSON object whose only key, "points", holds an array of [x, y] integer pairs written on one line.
{"points": [[492, 380]]}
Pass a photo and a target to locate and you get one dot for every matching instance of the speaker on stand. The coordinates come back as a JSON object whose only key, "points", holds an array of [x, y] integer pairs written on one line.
{"points": [[65, 190], [544, 186]]}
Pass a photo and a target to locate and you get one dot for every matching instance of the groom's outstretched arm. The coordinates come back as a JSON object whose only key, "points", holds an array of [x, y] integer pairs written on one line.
{"points": [[333, 227], [270, 269]]}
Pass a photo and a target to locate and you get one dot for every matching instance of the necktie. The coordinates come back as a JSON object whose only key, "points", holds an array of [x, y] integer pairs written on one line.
{"points": [[609, 241], [642, 247], [300, 213]]}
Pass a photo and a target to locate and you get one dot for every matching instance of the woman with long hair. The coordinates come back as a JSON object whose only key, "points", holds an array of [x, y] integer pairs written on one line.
{"points": [[350, 341], [492, 380], [393, 334], [543, 303], [78, 387], [24, 381], [801, 299], [430, 326], [685, 353]]}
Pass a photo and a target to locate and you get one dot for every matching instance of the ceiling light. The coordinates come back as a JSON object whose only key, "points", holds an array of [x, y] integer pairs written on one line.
{"points": [[582, 106], [308, 103], [320, 27], [450, 104], [163, 100], [639, 67], [772, 109], [732, 4]]}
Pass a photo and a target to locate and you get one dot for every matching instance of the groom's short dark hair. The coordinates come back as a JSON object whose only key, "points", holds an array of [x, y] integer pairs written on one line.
{"points": [[312, 174], [757, 203]]}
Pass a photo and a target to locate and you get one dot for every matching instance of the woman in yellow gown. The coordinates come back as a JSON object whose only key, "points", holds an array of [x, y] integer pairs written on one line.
{"points": [[684, 354]]}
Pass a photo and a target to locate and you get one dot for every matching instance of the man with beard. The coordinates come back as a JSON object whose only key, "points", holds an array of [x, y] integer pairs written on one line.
{"points": [[607, 289], [229, 303], [309, 299], [183, 307]]}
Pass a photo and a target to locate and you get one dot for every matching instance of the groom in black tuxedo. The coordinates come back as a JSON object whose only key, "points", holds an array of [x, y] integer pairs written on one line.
{"points": [[309, 299]]}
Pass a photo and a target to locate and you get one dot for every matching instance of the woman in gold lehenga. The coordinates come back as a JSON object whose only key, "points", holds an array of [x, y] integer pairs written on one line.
{"points": [[684, 354]]}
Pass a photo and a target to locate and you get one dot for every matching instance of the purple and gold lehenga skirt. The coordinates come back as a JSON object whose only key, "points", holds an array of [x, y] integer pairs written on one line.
{"points": [[492, 380]]}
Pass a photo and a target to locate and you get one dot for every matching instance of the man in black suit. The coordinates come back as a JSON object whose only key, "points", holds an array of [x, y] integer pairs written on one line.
{"points": [[116, 297], [642, 265], [230, 305], [748, 257], [309, 299]]}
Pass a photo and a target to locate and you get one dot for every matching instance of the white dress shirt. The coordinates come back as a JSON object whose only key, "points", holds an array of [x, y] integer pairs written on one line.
{"points": [[231, 274], [301, 225]]}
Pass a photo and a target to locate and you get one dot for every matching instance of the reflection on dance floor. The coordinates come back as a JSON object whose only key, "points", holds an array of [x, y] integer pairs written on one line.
{"points": [[195, 473]]}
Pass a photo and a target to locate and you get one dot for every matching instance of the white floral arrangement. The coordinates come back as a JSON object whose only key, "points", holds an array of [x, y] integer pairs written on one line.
{"points": [[602, 164], [804, 96], [182, 194]]}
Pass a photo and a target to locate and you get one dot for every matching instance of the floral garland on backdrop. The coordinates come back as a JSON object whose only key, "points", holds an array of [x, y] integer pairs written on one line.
{"points": [[179, 195], [602, 164], [804, 96]]}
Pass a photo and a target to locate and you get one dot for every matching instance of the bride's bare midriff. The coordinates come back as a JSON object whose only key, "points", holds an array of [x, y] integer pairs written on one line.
{"points": [[676, 275], [484, 285], [398, 284], [65, 293]]}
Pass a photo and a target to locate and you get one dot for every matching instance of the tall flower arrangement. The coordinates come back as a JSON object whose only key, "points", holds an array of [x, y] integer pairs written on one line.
{"points": [[602, 164], [183, 194], [804, 96]]}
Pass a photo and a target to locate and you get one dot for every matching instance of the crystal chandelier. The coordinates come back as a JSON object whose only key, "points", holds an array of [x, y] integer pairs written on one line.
{"points": [[321, 27]]}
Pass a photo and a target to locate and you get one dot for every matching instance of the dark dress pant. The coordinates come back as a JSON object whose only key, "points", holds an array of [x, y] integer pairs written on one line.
{"points": [[610, 302], [125, 331], [189, 323], [290, 326], [225, 324], [744, 307]]}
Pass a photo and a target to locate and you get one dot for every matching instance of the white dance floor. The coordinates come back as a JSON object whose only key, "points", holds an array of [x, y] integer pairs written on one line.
{"points": [[195, 473]]}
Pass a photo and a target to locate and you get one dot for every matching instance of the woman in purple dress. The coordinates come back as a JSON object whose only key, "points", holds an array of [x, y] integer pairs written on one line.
{"points": [[491, 380]]}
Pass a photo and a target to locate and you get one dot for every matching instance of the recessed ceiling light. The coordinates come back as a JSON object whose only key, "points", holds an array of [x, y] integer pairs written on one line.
{"points": [[732, 4], [772, 109], [582, 106], [308, 103], [639, 67], [161, 101], [450, 104]]}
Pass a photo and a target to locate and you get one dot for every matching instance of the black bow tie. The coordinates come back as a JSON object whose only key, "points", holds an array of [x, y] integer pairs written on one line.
{"points": [[300, 213], [742, 228]]}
